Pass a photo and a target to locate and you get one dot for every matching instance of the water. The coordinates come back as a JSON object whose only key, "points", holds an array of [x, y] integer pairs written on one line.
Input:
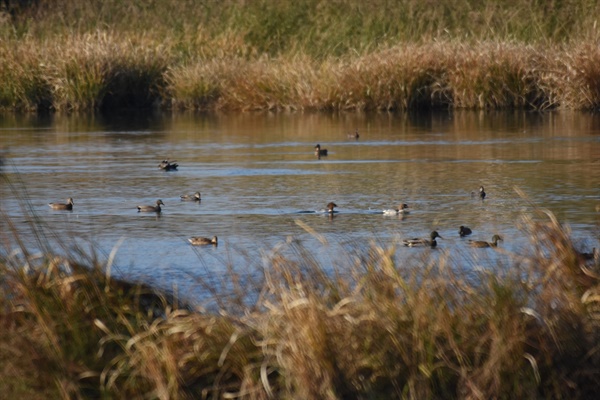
{"points": [[262, 185]]}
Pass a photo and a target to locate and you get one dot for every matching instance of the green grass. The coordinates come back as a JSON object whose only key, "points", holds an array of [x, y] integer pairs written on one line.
{"points": [[316, 27]]}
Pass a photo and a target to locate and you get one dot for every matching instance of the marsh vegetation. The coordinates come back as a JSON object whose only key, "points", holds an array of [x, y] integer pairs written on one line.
{"points": [[300, 55]]}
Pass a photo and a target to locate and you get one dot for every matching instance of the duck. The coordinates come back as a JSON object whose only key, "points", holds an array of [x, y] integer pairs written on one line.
{"points": [[203, 241], [481, 193], [320, 152], [168, 165], [155, 208], [330, 207], [482, 243], [191, 197], [354, 135], [585, 257], [402, 209], [464, 231], [423, 242], [63, 206]]}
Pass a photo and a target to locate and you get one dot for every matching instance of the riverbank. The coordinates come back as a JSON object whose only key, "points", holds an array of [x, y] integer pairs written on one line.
{"points": [[289, 329], [311, 55], [103, 71]]}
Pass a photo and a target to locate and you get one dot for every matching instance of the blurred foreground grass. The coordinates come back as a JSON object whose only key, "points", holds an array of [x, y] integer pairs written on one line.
{"points": [[294, 328]]}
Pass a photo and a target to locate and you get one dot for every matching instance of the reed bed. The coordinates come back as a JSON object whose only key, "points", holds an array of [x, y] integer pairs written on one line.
{"points": [[294, 328], [102, 71], [299, 55], [84, 73]]}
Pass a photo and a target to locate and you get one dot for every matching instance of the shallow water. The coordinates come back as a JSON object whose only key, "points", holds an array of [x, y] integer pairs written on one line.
{"points": [[261, 183]]}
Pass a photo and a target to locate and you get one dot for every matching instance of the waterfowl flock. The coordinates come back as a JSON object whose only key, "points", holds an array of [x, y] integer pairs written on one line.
{"points": [[402, 208]]}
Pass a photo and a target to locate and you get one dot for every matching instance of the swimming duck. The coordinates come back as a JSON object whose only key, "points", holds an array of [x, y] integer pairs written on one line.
{"points": [[354, 135], [191, 197], [595, 254], [330, 207], [202, 241], [423, 242], [167, 165], [402, 209], [482, 243], [62, 206], [155, 208], [320, 152], [464, 231], [481, 193]]}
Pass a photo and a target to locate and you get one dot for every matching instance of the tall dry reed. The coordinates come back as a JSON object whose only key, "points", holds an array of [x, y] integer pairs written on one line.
{"points": [[312, 54], [103, 71], [82, 73]]}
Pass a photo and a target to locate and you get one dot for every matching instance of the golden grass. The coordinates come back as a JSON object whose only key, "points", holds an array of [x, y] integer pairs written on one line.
{"points": [[81, 73], [297, 55], [105, 71], [485, 75], [369, 329]]}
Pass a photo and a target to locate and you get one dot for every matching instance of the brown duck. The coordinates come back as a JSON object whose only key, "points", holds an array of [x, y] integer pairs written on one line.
{"points": [[482, 243], [155, 208], [330, 206], [63, 206], [203, 241], [191, 197], [354, 135]]}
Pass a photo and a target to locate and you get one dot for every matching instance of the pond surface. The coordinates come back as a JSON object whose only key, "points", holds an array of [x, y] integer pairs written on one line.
{"points": [[262, 185]]}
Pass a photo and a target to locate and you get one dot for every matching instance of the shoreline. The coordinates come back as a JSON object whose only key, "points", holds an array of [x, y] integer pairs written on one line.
{"points": [[104, 72]]}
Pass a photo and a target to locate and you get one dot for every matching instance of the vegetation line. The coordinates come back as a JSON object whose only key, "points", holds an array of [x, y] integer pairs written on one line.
{"points": [[299, 55], [103, 71]]}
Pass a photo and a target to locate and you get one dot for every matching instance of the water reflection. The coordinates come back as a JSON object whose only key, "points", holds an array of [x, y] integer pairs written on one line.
{"points": [[261, 183]]}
